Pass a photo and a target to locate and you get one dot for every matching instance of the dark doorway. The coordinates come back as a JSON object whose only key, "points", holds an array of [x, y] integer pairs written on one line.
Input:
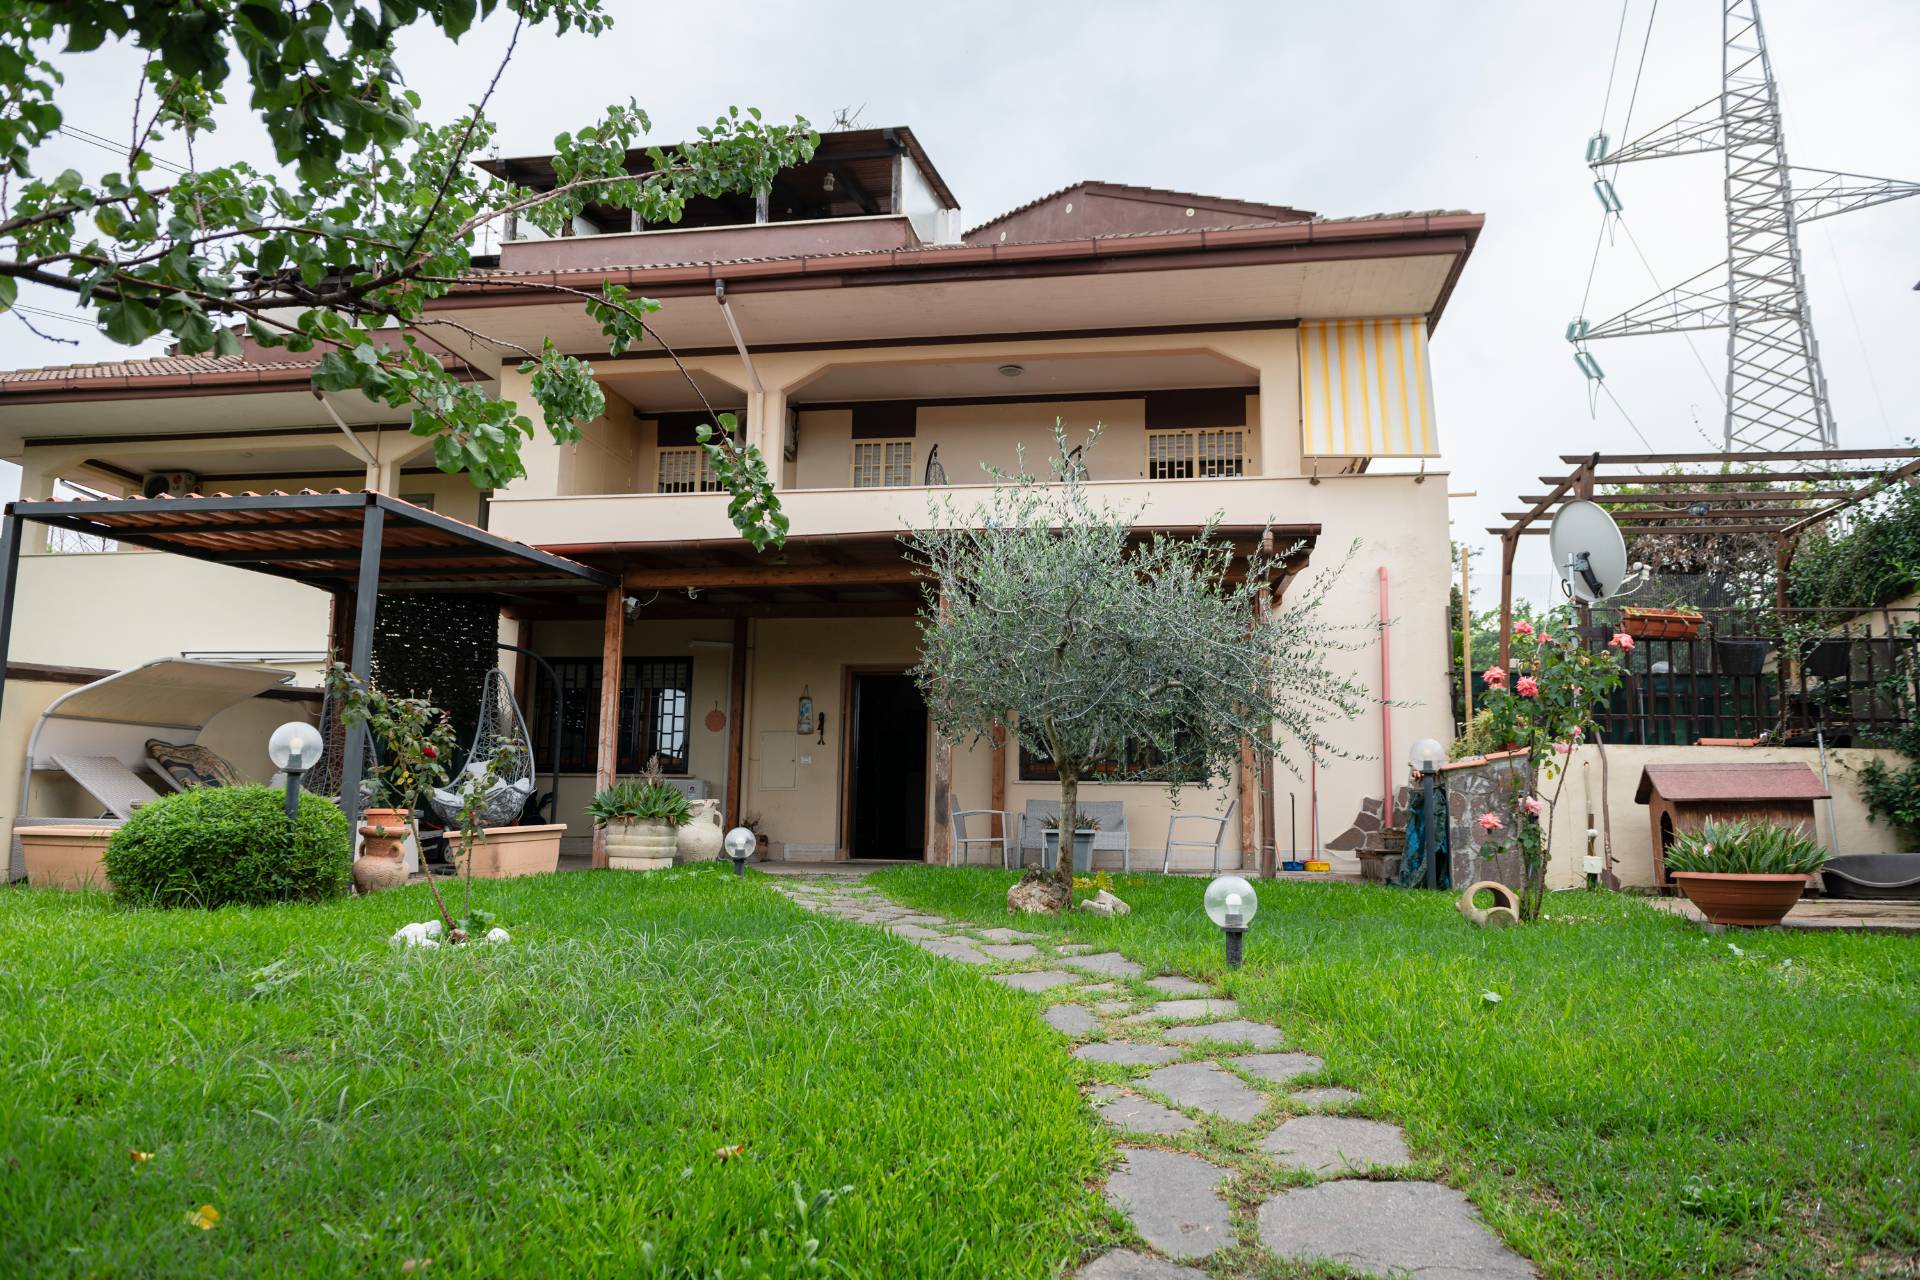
{"points": [[887, 771]]}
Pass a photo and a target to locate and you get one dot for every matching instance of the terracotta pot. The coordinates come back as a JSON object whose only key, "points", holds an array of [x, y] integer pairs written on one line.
{"points": [[65, 857], [1756, 900], [1660, 624], [382, 863], [503, 852], [635, 844]]}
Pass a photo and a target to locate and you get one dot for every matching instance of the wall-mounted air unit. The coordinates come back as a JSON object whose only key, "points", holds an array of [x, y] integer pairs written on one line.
{"points": [[168, 484]]}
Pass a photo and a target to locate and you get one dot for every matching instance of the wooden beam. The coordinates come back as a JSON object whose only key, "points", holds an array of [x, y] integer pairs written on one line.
{"points": [[1249, 800], [1738, 477], [773, 575], [1765, 455], [607, 752], [1648, 517], [1859, 495], [1705, 495], [737, 720]]}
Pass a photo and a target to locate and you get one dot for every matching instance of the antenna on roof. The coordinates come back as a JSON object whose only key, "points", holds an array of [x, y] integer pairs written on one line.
{"points": [[848, 117]]}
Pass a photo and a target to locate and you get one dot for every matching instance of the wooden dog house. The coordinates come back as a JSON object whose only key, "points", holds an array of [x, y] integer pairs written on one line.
{"points": [[1684, 797]]}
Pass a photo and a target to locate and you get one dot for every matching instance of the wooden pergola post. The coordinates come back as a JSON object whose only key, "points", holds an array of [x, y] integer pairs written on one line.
{"points": [[613, 637], [737, 721]]}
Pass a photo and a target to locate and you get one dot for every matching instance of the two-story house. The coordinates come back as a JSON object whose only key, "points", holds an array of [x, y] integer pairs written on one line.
{"points": [[1243, 358]]}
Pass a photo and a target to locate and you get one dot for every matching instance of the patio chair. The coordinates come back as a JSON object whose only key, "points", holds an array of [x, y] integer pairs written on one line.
{"points": [[1200, 823], [1007, 840], [115, 786]]}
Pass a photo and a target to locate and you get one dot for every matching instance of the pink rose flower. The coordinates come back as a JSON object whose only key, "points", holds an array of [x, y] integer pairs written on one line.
{"points": [[1527, 687], [1564, 748], [1523, 628], [1532, 805], [1621, 641], [1496, 677], [1491, 822]]}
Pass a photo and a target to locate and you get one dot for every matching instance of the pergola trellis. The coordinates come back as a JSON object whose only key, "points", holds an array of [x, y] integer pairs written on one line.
{"points": [[1706, 503]]}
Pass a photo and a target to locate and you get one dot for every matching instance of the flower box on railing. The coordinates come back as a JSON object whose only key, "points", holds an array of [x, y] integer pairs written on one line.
{"points": [[1660, 624]]}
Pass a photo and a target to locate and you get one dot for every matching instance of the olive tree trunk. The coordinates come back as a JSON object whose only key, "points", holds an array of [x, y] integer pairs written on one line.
{"points": [[1069, 822]]}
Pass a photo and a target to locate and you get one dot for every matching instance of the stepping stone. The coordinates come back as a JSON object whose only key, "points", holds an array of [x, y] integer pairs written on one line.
{"points": [[928, 921], [1331, 1095], [1381, 1228], [1239, 1031], [1280, 1067], [1139, 1115], [1335, 1144], [1175, 985], [1071, 1019], [1010, 950], [1111, 1007], [1173, 1202], [1100, 988], [953, 950], [1040, 981], [1072, 948], [1125, 1053], [912, 931], [1205, 1087], [1108, 962], [1177, 1009], [1125, 1264], [1007, 935]]}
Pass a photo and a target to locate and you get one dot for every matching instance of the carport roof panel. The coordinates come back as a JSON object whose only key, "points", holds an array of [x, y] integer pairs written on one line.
{"points": [[315, 538]]}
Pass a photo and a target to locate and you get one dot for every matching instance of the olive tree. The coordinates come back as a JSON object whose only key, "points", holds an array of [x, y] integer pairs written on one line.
{"points": [[371, 214], [1050, 620]]}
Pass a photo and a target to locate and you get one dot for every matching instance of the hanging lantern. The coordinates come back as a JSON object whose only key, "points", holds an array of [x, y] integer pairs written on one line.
{"points": [[806, 712]]}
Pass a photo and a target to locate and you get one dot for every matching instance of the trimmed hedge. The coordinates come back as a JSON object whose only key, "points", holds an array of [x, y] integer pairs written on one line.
{"points": [[215, 846]]}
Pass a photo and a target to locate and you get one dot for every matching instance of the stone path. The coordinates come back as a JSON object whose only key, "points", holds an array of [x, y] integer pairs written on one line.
{"points": [[1186, 1064]]}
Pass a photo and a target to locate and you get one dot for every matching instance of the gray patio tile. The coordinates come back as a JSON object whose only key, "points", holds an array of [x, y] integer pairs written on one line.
{"points": [[1072, 948], [1330, 1095], [1173, 1202], [1003, 934], [1126, 1053], [1041, 981], [912, 930], [927, 921], [1238, 1031], [1175, 985], [953, 950], [1187, 1009], [1071, 1019], [1098, 988], [1378, 1228], [1111, 963], [1111, 1007], [1125, 1264], [1205, 1087], [1335, 1144], [1010, 950], [1278, 1067], [1135, 1114]]}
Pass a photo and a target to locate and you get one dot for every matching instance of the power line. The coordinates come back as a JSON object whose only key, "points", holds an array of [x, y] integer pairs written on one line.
{"points": [[108, 144]]}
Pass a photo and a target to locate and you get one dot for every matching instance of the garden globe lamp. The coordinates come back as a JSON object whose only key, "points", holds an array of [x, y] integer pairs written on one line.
{"points": [[294, 748], [1424, 758], [739, 846], [1230, 904]]}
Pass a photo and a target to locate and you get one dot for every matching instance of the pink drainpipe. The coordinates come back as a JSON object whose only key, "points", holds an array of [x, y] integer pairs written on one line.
{"points": [[1386, 712]]}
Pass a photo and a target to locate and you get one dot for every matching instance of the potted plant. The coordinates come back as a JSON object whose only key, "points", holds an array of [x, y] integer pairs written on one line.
{"points": [[1739, 655], [640, 816], [419, 739], [1083, 833], [1829, 658], [1660, 624], [1744, 872]]}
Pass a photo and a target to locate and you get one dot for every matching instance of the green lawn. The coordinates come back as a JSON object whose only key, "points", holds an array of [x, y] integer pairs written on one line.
{"points": [[1643, 1100], [550, 1107]]}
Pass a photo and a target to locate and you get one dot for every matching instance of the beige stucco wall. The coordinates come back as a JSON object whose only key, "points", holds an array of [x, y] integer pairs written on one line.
{"points": [[1851, 829], [118, 609]]}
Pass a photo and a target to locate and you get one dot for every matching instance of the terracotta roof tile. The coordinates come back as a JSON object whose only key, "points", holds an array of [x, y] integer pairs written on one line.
{"points": [[151, 367], [1730, 781]]}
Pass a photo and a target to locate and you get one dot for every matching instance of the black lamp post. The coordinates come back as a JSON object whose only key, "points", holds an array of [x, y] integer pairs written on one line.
{"points": [[1230, 903], [739, 845], [294, 748], [1425, 757]]}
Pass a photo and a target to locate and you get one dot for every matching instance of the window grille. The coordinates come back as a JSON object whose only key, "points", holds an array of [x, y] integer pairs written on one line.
{"points": [[685, 469], [655, 695], [1205, 453], [882, 464]]}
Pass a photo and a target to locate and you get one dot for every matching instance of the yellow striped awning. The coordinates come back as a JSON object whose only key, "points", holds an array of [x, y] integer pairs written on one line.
{"points": [[1366, 389]]}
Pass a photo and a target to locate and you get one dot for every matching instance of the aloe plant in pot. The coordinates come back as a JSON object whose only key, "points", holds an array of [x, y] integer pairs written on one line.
{"points": [[640, 816], [1744, 872]]}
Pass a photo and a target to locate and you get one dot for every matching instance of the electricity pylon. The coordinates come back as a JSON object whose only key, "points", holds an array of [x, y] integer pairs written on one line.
{"points": [[1776, 393]]}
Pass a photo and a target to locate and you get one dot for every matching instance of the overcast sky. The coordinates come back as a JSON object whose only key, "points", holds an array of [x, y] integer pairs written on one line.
{"points": [[1338, 109]]}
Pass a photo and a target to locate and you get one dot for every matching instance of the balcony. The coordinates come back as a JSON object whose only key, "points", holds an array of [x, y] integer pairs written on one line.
{"points": [[671, 246]]}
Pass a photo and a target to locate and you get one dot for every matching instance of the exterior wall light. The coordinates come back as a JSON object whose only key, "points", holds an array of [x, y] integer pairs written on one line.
{"points": [[739, 845], [1230, 904], [294, 748]]}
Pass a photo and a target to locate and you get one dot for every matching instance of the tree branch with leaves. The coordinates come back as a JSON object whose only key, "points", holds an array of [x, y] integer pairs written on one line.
{"points": [[373, 216]]}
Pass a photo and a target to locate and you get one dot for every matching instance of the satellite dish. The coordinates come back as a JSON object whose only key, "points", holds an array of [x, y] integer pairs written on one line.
{"points": [[1588, 553]]}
